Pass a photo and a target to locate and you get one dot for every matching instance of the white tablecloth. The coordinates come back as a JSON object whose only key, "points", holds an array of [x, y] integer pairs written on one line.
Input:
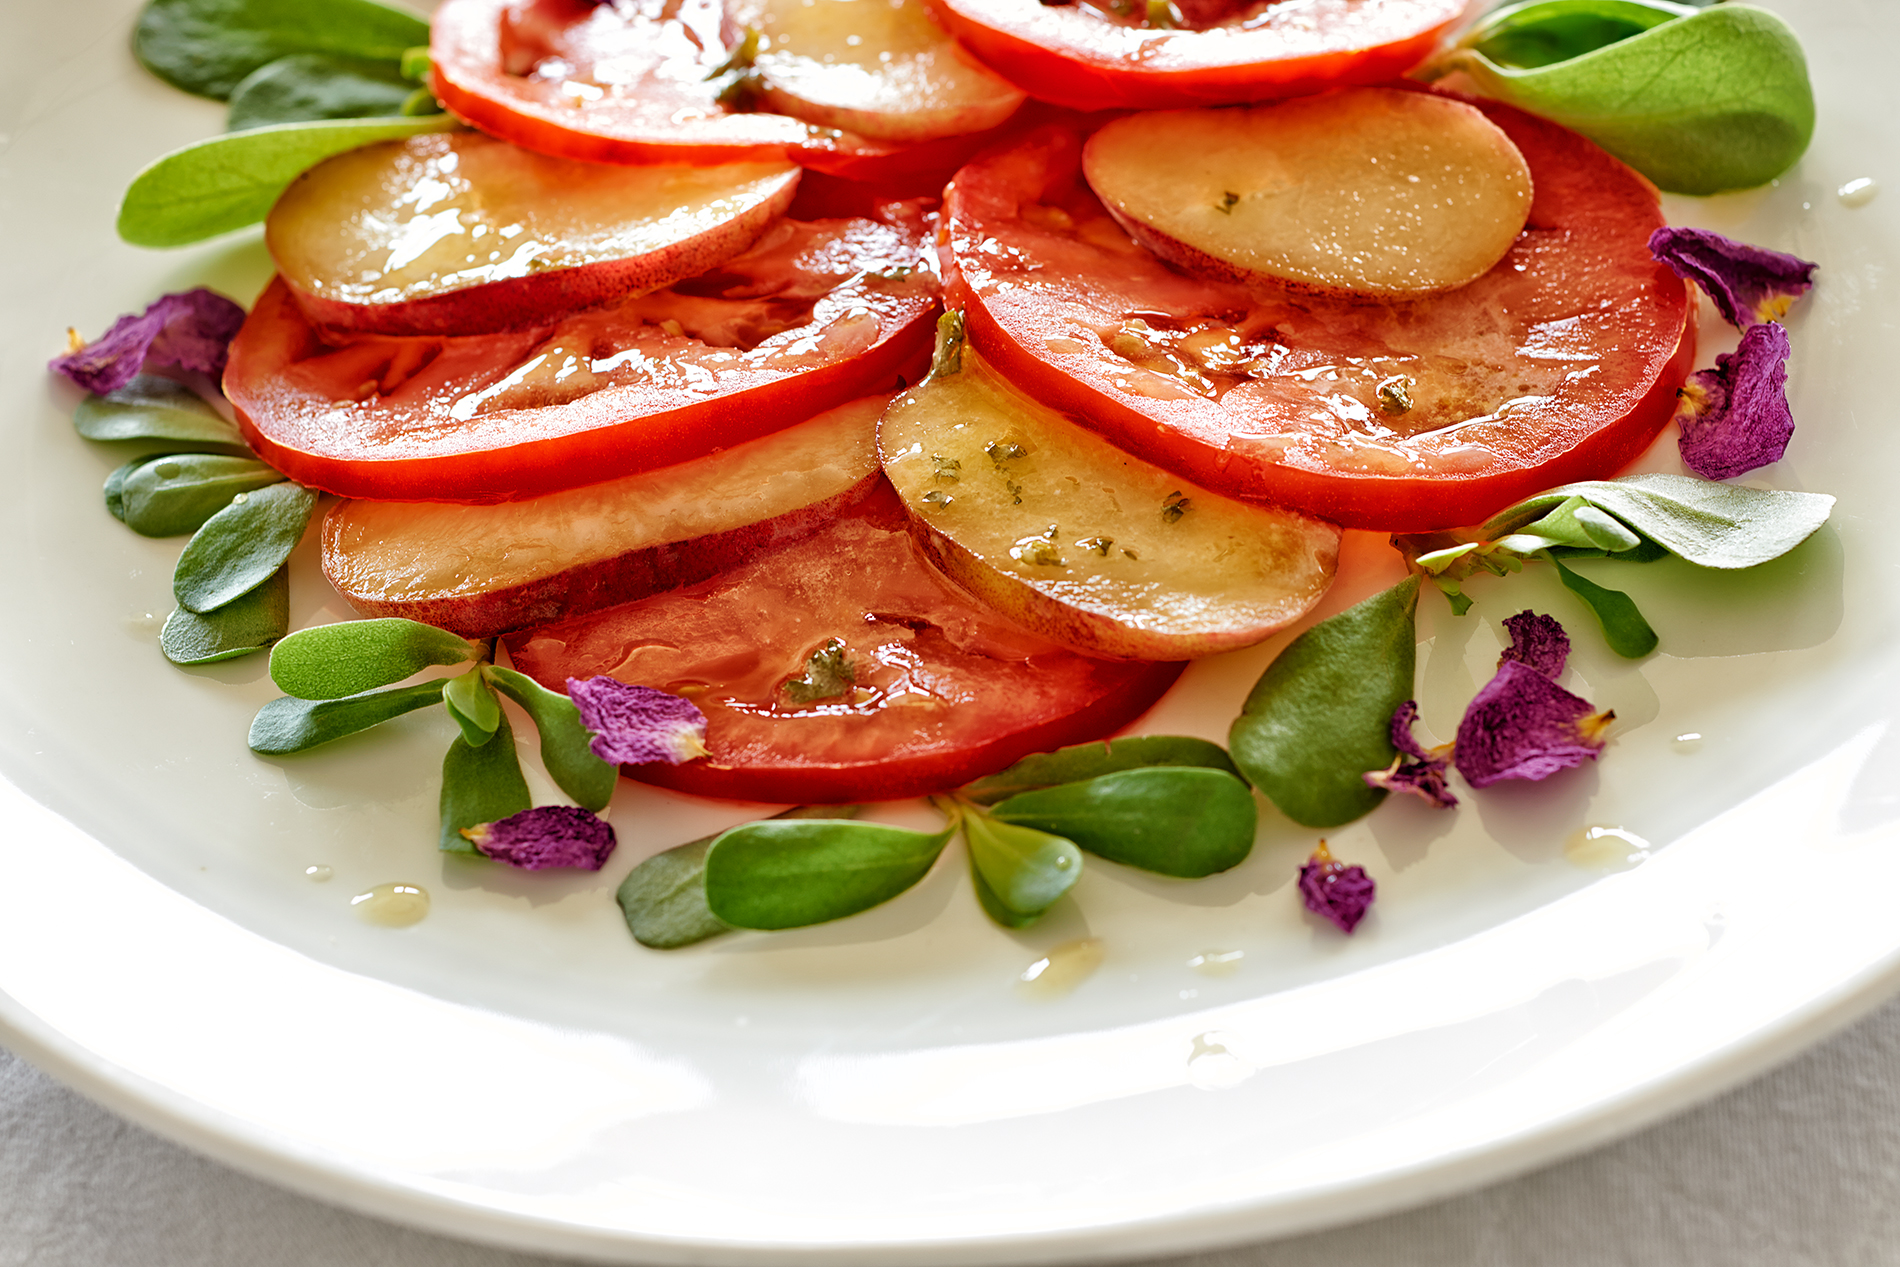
{"points": [[1801, 1167]]}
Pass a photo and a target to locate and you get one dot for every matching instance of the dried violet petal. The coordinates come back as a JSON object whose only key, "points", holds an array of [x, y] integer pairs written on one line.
{"points": [[1735, 417], [1749, 285], [633, 725], [1537, 642], [551, 836], [191, 329], [1417, 769], [1334, 890], [1522, 725]]}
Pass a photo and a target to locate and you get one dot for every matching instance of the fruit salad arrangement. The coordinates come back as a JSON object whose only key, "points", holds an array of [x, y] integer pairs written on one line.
{"points": [[819, 402]]}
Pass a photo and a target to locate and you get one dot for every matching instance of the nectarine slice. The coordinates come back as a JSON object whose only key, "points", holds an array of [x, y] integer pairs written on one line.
{"points": [[464, 234], [1064, 533], [1364, 191]]}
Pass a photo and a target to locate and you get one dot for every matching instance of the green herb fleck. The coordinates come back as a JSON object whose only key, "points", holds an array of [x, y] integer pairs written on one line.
{"points": [[948, 357], [828, 675], [1228, 201], [1395, 394], [1175, 507]]}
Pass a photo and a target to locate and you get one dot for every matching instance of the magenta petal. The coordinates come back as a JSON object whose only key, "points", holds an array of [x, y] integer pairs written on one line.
{"points": [[1735, 417], [551, 836], [1417, 769], [1336, 891], [1522, 725], [191, 330], [633, 725], [1748, 284], [1537, 642]]}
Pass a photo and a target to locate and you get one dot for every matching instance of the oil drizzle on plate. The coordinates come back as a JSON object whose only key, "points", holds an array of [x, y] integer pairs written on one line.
{"points": [[392, 905], [1606, 848], [1062, 969]]}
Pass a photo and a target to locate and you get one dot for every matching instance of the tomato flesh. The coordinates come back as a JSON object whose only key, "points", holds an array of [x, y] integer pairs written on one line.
{"points": [[1078, 55], [1560, 364], [814, 315], [943, 690]]}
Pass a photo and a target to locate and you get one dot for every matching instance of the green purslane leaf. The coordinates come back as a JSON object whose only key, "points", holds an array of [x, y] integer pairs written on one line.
{"points": [[332, 661], [288, 725], [209, 46], [1717, 99], [787, 873], [1020, 869], [228, 182], [115, 485], [1575, 524], [170, 496], [473, 706], [308, 86], [154, 408], [414, 63], [1526, 36], [238, 628], [664, 898], [1178, 821], [1709, 524], [1624, 628], [1320, 716], [564, 740], [241, 546], [1090, 760], [480, 785]]}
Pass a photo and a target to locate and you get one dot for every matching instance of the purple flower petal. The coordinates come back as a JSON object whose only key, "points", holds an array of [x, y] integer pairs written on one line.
{"points": [[551, 836], [1735, 417], [1522, 725], [1537, 642], [1334, 890], [1748, 284], [1418, 770], [192, 330], [633, 725]]}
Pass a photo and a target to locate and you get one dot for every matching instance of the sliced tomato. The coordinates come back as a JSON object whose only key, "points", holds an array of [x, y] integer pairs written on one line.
{"points": [[941, 690], [619, 83], [815, 314], [1560, 364], [1084, 55]]}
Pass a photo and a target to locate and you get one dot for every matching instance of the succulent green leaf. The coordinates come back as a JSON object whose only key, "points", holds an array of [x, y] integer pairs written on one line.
{"points": [[1089, 760], [786, 873], [1540, 34], [1179, 821], [1624, 628], [170, 496], [414, 63], [564, 740], [1709, 524], [331, 661], [239, 548], [1023, 869], [244, 625], [1717, 99], [227, 182], [287, 725], [154, 408], [1321, 715], [115, 485], [473, 706], [209, 46], [308, 86], [480, 785]]}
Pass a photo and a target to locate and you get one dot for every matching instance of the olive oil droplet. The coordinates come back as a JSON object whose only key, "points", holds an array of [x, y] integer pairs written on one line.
{"points": [[1212, 1066], [317, 872], [392, 905], [1062, 969], [1606, 848], [1858, 193], [1217, 963], [1687, 741]]}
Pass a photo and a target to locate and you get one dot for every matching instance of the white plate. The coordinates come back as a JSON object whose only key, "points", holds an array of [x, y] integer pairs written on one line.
{"points": [[878, 1090]]}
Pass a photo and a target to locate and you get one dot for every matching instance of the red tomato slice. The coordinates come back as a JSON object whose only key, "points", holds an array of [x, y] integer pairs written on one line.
{"points": [[599, 83], [1077, 54], [1560, 364], [815, 314], [943, 690]]}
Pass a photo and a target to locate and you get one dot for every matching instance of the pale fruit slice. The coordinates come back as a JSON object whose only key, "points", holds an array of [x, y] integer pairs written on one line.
{"points": [[1369, 191], [1066, 534], [464, 234], [879, 68], [483, 570]]}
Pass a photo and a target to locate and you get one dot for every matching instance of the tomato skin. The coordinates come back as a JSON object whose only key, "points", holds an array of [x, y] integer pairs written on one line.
{"points": [[1073, 55], [376, 416], [1583, 259], [995, 692]]}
